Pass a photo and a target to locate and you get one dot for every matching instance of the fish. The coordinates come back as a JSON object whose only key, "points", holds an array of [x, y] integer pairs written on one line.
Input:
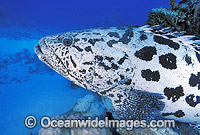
{"points": [[146, 71]]}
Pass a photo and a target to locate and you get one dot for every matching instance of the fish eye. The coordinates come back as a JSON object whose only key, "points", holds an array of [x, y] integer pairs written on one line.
{"points": [[67, 41]]}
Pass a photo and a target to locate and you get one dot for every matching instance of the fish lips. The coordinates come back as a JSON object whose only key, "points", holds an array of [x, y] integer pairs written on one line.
{"points": [[41, 55], [38, 51]]}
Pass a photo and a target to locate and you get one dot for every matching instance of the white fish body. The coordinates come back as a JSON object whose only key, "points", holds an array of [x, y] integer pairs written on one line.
{"points": [[147, 69]]}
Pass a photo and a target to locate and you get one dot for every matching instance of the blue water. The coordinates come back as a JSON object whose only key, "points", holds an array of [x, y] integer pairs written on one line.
{"points": [[27, 86]]}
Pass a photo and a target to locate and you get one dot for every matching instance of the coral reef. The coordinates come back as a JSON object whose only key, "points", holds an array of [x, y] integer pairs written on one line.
{"points": [[184, 16], [90, 106]]}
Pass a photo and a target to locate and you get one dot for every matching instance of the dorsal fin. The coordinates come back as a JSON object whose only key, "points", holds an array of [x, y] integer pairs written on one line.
{"points": [[180, 37]]}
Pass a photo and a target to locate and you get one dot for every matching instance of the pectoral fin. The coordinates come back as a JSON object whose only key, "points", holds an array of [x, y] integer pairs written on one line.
{"points": [[136, 104]]}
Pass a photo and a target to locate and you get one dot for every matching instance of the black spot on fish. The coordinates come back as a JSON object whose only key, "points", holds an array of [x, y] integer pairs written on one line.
{"points": [[85, 86], [95, 74], [109, 82], [146, 53], [175, 94], [76, 39], [128, 82], [102, 64], [116, 80], [101, 39], [168, 61], [113, 34], [99, 58], [96, 33], [111, 95], [111, 42], [119, 95], [109, 58], [93, 41], [178, 114], [78, 48], [190, 100], [170, 36], [150, 75], [197, 48], [90, 69], [143, 37], [83, 71], [85, 39], [198, 56], [195, 80], [126, 37], [115, 66], [87, 63], [121, 61], [102, 92], [188, 59], [74, 64], [122, 77], [67, 63], [117, 101], [66, 51], [88, 49], [165, 41]]}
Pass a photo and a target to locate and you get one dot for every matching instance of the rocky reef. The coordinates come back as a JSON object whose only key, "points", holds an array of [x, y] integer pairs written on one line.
{"points": [[184, 16], [94, 106], [88, 106]]}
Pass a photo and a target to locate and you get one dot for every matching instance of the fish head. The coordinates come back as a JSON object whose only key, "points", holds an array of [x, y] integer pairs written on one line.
{"points": [[64, 53], [86, 57]]}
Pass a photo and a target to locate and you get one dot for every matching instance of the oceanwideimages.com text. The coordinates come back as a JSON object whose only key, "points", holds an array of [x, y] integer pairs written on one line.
{"points": [[47, 122]]}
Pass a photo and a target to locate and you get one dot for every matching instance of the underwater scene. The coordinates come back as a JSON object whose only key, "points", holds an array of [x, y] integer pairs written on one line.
{"points": [[122, 67]]}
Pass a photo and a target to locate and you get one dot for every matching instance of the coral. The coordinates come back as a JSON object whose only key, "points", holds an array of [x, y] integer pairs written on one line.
{"points": [[73, 131], [90, 106], [87, 106], [173, 4], [162, 16], [184, 16]]}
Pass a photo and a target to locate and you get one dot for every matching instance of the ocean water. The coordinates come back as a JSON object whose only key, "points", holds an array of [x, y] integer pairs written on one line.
{"points": [[28, 86]]}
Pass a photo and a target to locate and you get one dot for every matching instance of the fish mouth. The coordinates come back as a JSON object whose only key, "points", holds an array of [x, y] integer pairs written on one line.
{"points": [[41, 55], [38, 49], [39, 52], [43, 51]]}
